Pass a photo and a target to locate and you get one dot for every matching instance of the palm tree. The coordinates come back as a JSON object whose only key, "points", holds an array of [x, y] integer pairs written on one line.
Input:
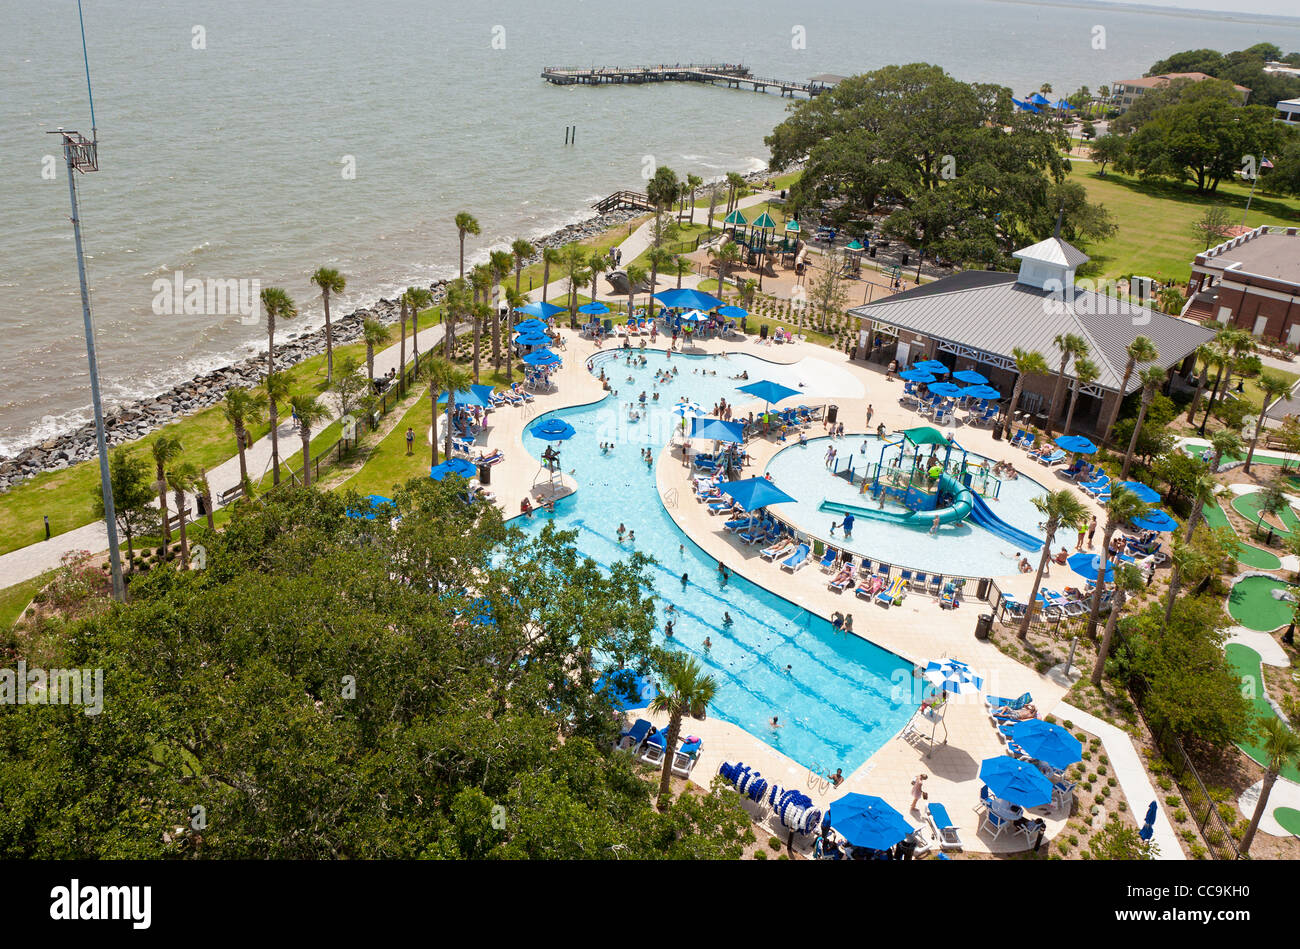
{"points": [[686, 688], [1202, 491], [182, 478], [1274, 387], [1140, 350], [165, 449], [1204, 356], [330, 281], [1221, 360], [514, 300], [449, 378], [309, 411], [1153, 377], [1028, 363], [575, 262], [715, 192], [1282, 747], [1085, 374], [1128, 579], [1224, 442], [1062, 509], [481, 313], [375, 334], [596, 264], [1071, 346], [416, 299], [725, 257], [736, 182], [276, 305], [401, 335], [1122, 508], [635, 274], [501, 263], [693, 183], [205, 491], [680, 266], [551, 256], [465, 225], [241, 408], [278, 387]]}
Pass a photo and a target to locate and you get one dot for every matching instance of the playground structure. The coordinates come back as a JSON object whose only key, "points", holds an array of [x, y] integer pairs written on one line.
{"points": [[943, 484]]}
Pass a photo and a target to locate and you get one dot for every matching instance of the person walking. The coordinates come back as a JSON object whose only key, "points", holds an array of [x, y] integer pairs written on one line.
{"points": [[918, 791], [410, 439], [1092, 529]]}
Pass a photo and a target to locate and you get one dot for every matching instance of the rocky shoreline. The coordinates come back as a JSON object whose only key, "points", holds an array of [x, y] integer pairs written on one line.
{"points": [[135, 420]]}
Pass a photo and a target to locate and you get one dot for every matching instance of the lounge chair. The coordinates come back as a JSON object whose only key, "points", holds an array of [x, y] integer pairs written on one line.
{"points": [[760, 534], [945, 831], [684, 758], [948, 598], [1018, 439], [743, 523], [721, 506], [632, 738], [782, 547], [996, 701], [652, 750], [869, 587], [1053, 459], [829, 558], [897, 589], [796, 559], [841, 580], [994, 824]]}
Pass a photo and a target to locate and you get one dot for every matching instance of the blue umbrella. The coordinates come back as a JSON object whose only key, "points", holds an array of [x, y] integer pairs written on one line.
{"points": [[367, 507], [1086, 565], [945, 389], [1048, 743], [753, 493], [531, 326], [533, 339], [718, 430], [627, 689], [1156, 520], [1015, 781], [768, 391], [553, 430], [953, 676], [691, 409], [733, 312], [1077, 444], [1145, 494], [540, 309], [454, 466], [595, 308], [692, 316], [1024, 106], [541, 357], [686, 297], [480, 396], [916, 375], [971, 377], [867, 821], [932, 365], [1039, 99], [981, 392]]}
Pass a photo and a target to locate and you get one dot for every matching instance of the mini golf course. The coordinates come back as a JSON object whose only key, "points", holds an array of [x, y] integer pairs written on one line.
{"points": [[1289, 818], [1246, 662], [1247, 505], [1250, 556], [1252, 604]]}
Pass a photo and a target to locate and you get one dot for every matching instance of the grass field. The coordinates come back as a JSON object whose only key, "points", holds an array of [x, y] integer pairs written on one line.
{"points": [[1155, 236]]}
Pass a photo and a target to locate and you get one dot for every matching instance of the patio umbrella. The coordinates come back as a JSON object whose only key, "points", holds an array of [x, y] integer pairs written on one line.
{"points": [[1024, 106], [1039, 99], [753, 493], [953, 676], [1149, 825], [595, 308], [718, 430], [531, 326], [1048, 743], [1156, 520], [686, 297], [868, 821], [691, 409], [1015, 781], [981, 392], [1077, 444], [540, 309], [627, 689], [946, 390], [768, 391], [733, 312], [455, 466], [916, 375], [541, 357], [1086, 565], [533, 339], [479, 396], [553, 430], [971, 377], [366, 510], [1145, 493], [932, 365], [692, 316]]}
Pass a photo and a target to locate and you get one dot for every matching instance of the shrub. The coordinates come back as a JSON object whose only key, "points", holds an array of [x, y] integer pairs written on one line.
{"points": [[1165, 783], [1180, 815], [1173, 800], [775, 842], [762, 854]]}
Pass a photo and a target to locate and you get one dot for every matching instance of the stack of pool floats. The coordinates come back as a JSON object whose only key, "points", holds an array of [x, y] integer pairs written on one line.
{"points": [[794, 808]]}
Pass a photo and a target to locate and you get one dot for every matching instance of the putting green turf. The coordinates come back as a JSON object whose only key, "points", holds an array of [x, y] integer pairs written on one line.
{"points": [[1246, 662], [1215, 515], [1257, 558], [1289, 818], [1247, 505], [1253, 605]]}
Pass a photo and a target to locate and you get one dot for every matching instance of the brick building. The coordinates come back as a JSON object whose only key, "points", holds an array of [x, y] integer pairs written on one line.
{"points": [[1251, 281]]}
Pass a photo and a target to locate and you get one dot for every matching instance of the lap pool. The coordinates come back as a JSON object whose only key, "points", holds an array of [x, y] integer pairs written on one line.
{"points": [[839, 698]]}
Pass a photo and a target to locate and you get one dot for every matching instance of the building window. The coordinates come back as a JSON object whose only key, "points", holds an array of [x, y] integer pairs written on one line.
{"points": [[1225, 314]]}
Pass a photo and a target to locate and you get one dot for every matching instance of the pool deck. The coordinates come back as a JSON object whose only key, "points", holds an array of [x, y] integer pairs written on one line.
{"points": [[917, 629]]}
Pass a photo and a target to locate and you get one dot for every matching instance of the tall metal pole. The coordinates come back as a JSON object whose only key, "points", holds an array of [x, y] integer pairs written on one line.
{"points": [[1245, 214], [105, 483]]}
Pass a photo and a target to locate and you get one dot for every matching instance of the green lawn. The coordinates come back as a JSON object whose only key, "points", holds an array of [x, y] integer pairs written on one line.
{"points": [[1155, 236], [14, 599]]}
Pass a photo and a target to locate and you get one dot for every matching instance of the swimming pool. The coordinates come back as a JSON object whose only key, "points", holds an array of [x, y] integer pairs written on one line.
{"points": [[842, 698], [962, 547]]}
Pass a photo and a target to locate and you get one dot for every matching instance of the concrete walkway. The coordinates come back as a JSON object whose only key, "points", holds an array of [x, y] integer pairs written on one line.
{"points": [[1132, 776]]}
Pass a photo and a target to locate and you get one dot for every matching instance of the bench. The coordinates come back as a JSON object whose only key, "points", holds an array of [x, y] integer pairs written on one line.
{"points": [[230, 494], [174, 521]]}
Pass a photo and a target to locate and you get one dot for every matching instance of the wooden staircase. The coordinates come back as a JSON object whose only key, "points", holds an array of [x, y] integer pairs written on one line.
{"points": [[624, 199]]}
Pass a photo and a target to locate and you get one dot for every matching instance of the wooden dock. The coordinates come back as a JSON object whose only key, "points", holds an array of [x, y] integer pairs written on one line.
{"points": [[732, 75], [624, 199]]}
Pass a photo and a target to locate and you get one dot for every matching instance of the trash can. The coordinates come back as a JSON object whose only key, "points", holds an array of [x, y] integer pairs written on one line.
{"points": [[997, 430], [904, 263], [872, 251], [832, 413], [762, 331], [484, 474], [982, 588], [983, 625]]}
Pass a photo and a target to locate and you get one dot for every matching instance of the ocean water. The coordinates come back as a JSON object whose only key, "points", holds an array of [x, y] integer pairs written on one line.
{"points": [[228, 161]]}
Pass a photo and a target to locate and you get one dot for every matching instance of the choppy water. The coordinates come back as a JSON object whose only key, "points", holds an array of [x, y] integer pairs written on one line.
{"points": [[226, 162]]}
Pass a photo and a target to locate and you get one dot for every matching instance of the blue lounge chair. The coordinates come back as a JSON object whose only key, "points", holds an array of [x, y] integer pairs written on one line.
{"points": [[796, 559], [1052, 460], [996, 701], [685, 756], [945, 831], [652, 750], [841, 580], [829, 558], [632, 738], [741, 525]]}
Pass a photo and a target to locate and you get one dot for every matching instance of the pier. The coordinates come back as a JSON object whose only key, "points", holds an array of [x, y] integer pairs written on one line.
{"points": [[732, 75]]}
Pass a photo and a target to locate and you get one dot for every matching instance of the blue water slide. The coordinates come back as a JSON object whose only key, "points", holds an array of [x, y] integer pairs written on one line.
{"points": [[983, 515], [963, 499]]}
